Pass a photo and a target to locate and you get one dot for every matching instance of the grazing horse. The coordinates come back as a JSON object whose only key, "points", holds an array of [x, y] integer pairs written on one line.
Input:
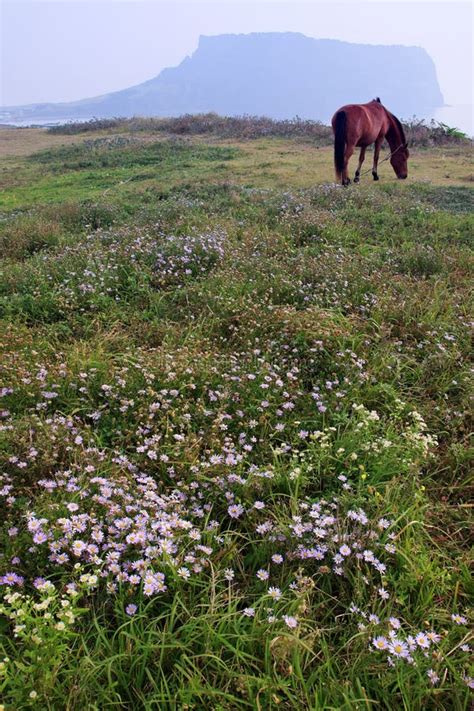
{"points": [[360, 125]]}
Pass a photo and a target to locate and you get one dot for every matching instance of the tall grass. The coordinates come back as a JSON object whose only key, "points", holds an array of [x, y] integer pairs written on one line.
{"points": [[234, 441], [418, 131]]}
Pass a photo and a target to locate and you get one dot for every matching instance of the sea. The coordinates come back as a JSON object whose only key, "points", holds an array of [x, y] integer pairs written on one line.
{"points": [[459, 116]]}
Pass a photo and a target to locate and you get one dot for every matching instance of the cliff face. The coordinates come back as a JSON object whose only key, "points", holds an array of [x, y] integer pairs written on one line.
{"points": [[281, 75]]}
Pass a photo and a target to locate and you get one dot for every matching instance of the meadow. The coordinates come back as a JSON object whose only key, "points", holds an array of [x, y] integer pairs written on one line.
{"points": [[235, 417]]}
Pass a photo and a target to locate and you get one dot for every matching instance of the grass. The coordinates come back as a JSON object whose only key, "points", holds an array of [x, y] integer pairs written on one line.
{"points": [[236, 411]]}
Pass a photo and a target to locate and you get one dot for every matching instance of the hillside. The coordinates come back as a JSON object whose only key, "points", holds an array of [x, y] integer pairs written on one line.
{"points": [[235, 419], [280, 75]]}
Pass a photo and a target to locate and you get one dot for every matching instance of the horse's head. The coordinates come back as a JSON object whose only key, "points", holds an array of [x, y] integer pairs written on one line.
{"points": [[399, 161]]}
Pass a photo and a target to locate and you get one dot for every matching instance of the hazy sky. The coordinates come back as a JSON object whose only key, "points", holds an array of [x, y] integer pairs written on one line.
{"points": [[70, 49]]}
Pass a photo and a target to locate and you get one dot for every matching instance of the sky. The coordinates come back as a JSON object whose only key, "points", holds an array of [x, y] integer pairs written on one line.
{"points": [[64, 50]]}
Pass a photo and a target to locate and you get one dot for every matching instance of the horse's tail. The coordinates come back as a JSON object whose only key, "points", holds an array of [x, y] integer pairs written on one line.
{"points": [[339, 141]]}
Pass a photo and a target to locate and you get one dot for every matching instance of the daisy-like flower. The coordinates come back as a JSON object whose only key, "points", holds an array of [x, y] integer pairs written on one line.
{"points": [[11, 579], [131, 609], [398, 648], [374, 619], [78, 547], [290, 621], [433, 636], [235, 510], [459, 619], [394, 623], [274, 593], [262, 574], [383, 593], [249, 612], [184, 573], [229, 574], [277, 558], [380, 643], [433, 677], [344, 550], [422, 640]]}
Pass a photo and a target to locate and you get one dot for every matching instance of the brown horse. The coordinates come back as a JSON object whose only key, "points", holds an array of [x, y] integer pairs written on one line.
{"points": [[360, 125]]}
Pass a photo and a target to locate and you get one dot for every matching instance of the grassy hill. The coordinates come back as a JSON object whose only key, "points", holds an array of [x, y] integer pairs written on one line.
{"points": [[235, 417]]}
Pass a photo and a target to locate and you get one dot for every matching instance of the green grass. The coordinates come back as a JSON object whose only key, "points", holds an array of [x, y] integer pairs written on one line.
{"points": [[220, 349]]}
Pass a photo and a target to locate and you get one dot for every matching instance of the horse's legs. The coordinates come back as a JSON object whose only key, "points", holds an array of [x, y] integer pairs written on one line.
{"points": [[361, 160], [347, 154], [378, 144]]}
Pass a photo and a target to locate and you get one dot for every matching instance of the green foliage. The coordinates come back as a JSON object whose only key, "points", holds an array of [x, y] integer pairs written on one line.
{"points": [[123, 152], [217, 366]]}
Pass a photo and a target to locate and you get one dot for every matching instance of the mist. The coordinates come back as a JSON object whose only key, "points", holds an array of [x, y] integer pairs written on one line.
{"points": [[63, 51]]}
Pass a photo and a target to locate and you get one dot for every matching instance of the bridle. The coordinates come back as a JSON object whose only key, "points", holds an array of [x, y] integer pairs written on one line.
{"points": [[392, 153]]}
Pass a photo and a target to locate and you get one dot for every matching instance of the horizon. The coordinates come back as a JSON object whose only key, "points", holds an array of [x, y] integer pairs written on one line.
{"points": [[111, 45], [223, 34]]}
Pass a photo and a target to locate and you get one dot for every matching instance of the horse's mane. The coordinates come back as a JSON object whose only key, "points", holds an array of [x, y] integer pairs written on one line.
{"points": [[399, 126]]}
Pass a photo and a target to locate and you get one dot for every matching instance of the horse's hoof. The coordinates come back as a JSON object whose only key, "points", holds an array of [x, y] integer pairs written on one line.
{"points": [[357, 179], [376, 177]]}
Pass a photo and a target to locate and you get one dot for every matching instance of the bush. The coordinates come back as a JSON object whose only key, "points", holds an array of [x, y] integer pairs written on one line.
{"points": [[418, 131], [24, 236]]}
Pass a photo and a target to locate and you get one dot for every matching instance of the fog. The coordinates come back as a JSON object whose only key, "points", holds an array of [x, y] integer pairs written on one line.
{"points": [[66, 50]]}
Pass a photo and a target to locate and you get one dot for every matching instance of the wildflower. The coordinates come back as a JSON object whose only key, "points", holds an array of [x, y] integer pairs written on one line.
{"points": [[249, 612], [394, 623], [78, 547], [422, 640], [433, 677], [290, 621], [262, 574], [380, 643], [229, 574], [344, 550], [184, 573], [11, 579], [131, 609], [277, 558], [459, 619], [398, 648], [383, 593], [274, 593], [235, 510]]}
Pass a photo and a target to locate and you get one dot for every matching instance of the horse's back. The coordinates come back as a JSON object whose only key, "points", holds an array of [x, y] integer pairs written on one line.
{"points": [[364, 121]]}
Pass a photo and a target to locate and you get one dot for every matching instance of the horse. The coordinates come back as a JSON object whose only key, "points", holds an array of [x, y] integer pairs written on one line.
{"points": [[361, 125]]}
